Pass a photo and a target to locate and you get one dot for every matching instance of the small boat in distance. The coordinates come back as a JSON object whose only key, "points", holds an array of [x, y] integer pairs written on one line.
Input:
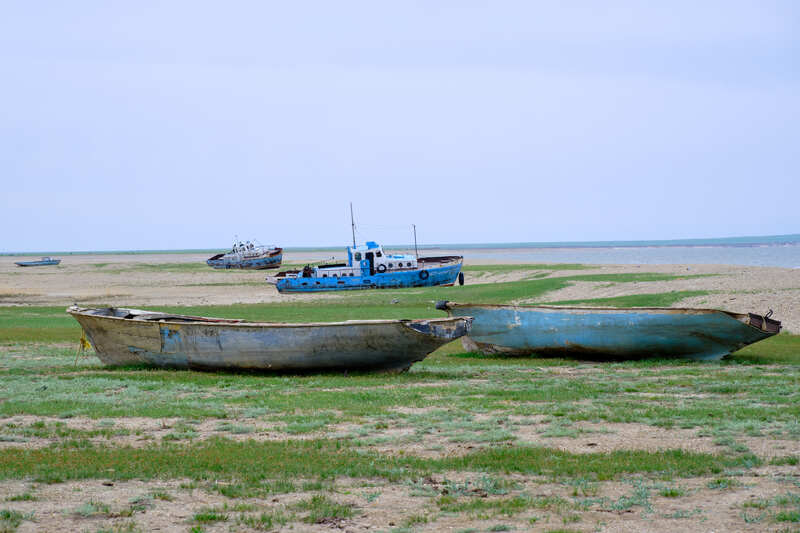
{"points": [[248, 256], [610, 332], [369, 267], [129, 336], [44, 261]]}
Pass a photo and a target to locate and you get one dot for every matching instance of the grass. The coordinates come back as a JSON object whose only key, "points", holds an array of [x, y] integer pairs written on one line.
{"points": [[49, 324], [251, 462], [282, 449], [664, 299], [322, 509]]}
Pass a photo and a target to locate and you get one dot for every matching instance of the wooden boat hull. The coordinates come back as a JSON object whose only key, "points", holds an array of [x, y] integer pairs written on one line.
{"points": [[126, 337], [613, 333]]}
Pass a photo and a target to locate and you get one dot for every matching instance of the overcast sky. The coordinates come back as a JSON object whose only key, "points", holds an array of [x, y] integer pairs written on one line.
{"points": [[150, 125]]}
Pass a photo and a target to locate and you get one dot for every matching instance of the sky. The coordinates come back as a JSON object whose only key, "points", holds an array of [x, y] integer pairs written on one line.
{"points": [[177, 125]]}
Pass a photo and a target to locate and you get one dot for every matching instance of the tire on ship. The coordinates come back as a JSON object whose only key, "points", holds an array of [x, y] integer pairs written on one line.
{"points": [[460, 278], [423, 274]]}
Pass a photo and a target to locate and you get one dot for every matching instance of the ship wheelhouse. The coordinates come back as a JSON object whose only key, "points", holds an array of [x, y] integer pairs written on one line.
{"points": [[367, 260]]}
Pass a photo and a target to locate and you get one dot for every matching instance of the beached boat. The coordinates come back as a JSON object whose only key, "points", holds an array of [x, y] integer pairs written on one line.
{"points": [[369, 267], [44, 261], [248, 256], [130, 336], [614, 333]]}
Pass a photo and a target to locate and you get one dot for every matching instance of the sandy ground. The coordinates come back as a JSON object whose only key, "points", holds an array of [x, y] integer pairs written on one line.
{"points": [[382, 507], [130, 280]]}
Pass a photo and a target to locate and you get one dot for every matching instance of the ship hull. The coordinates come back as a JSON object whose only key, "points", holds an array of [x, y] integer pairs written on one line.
{"points": [[130, 337], [612, 333]]}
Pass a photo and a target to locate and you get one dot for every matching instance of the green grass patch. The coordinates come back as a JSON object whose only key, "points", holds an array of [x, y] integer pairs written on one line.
{"points": [[52, 324], [320, 509], [252, 462], [663, 299]]}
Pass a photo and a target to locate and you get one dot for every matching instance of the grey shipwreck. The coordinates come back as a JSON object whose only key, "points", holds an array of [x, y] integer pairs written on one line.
{"points": [[130, 337]]}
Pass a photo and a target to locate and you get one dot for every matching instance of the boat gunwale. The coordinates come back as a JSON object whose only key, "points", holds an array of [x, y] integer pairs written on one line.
{"points": [[667, 310], [212, 321]]}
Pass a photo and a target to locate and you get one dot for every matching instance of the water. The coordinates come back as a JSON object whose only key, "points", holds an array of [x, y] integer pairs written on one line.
{"points": [[787, 256], [775, 251]]}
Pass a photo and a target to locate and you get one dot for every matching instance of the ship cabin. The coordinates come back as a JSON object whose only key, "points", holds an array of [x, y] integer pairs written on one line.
{"points": [[365, 260]]}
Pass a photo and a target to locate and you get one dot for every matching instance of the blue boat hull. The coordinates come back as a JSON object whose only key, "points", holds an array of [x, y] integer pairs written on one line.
{"points": [[260, 263], [612, 333], [38, 263], [430, 277]]}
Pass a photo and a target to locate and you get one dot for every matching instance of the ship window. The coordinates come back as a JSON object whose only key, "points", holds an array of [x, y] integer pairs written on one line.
{"points": [[351, 274], [409, 263], [317, 282], [305, 283], [378, 254], [390, 265], [341, 282], [324, 275], [357, 257]]}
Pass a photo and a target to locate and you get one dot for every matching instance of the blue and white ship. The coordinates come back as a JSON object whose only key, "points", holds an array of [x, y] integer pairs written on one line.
{"points": [[369, 267]]}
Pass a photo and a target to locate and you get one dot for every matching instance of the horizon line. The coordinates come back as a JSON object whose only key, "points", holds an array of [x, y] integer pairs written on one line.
{"points": [[789, 238]]}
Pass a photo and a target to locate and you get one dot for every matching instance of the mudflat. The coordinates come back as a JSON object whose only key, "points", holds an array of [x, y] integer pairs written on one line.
{"points": [[461, 442], [184, 279]]}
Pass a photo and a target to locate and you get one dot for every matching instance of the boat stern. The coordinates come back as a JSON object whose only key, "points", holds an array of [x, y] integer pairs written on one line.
{"points": [[444, 329]]}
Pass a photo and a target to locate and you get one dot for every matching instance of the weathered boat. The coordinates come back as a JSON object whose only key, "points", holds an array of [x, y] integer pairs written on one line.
{"points": [[369, 267], [129, 336], [248, 256], [44, 261], [614, 333]]}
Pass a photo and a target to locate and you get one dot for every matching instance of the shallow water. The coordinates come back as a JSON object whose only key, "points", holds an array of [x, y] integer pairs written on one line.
{"points": [[786, 255]]}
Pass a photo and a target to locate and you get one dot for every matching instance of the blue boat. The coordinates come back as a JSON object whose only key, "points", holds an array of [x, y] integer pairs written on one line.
{"points": [[369, 267], [248, 256], [44, 261], [610, 333]]}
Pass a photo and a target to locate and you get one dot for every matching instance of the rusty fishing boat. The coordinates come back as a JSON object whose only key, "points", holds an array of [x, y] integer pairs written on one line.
{"points": [[248, 256], [610, 333], [130, 336], [369, 266]]}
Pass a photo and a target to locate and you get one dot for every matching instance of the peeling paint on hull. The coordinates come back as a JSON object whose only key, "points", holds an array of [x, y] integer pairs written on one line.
{"points": [[443, 276], [613, 333], [221, 262], [127, 336]]}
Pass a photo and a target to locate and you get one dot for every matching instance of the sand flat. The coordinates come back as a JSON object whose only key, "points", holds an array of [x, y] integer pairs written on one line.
{"points": [[142, 280]]}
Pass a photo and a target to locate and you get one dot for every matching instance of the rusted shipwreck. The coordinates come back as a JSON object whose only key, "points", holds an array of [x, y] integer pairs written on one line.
{"points": [[610, 333], [129, 336], [248, 256]]}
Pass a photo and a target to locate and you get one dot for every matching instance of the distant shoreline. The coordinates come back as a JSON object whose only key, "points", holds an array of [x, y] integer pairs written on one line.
{"points": [[743, 242]]}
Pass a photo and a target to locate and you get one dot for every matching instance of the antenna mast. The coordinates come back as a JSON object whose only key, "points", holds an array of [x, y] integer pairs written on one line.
{"points": [[353, 224], [415, 241]]}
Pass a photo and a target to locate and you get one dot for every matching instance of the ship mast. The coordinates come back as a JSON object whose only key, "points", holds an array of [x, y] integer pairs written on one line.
{"points": [[415, 241], [353, 224]]}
